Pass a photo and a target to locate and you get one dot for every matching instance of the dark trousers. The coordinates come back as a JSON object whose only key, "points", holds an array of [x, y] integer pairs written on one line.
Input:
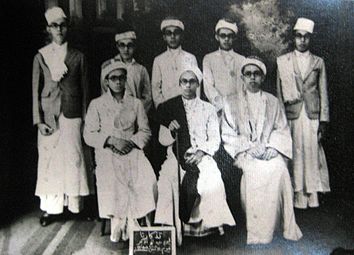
{"points": [[231, 176]]}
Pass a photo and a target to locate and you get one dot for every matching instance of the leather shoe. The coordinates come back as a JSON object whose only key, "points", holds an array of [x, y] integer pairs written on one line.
{"points": [[46, 219]]}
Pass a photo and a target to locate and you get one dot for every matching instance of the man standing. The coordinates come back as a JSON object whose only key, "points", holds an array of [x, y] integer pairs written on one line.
{"points": [[137, 78], [256, 135], [221, 68], [59, 104], [302, 88], [167, 66]]}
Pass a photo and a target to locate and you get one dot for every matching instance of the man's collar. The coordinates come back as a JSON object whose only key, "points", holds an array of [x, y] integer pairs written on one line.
{"points": [[113, 99], [119, 58], [302, 54], [56, 46], [175, 51], [226, 52]]}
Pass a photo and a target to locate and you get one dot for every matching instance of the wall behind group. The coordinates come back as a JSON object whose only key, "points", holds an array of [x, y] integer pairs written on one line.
{"points": [[264, 29]]}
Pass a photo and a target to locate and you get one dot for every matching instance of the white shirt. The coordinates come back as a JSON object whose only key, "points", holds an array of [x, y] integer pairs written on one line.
{"points": [[303, 60], [221, 74], [54, 56], [165, 73]]}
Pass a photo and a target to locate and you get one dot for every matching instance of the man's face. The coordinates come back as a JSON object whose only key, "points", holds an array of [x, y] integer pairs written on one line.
{"points": [[58, 30], [172, 36], [116, 80], [126, 48], [189, 84], [225, 38], [253, 78], [302, 40]]}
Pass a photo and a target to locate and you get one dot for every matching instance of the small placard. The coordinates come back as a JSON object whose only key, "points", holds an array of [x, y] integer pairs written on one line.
{"points": [[152, 240]]}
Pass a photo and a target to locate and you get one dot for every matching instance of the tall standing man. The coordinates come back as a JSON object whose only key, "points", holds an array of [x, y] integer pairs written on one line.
{"points": [[165, 73], [221, 68], [59, 105], [168, 65], [302, 87], [138, 79]]}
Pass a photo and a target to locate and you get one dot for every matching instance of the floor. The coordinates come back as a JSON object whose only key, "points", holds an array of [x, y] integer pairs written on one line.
{"points": [[325, 228]]}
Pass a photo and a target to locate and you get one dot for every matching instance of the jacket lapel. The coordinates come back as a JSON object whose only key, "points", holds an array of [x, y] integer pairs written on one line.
{"points": [[313, 62], [298, 77], [69, 56]]}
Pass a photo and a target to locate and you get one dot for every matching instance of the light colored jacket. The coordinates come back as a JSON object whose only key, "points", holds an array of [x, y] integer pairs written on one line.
{"points": [[312, 89]]}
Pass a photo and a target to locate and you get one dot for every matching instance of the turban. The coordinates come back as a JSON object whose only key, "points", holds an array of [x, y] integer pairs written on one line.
{"points": [[254, 61], [53, 14], [112, 65], [195, 69], [171, 22], [125, 35], [304, 24], [225, 24]]}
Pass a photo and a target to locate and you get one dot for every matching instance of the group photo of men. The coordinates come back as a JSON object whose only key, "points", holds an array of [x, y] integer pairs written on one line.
{"points": [[217, 144]]}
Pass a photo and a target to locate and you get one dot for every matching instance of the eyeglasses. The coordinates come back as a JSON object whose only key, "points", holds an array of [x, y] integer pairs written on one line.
{"points": [[56, 25], [184, 82], [301, 36], [115, 78], [249, 74], [224, 36], [128, 45], [176, 32]]}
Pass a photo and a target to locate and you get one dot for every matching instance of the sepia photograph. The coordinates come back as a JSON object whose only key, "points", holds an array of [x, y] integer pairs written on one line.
{"points": [[177, 127]]}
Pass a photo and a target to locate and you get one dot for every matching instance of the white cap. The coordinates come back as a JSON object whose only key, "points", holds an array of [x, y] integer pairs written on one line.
{"points": [[53, 14], [304, 24], [225, 24], [171, 22], [254, 61], [113, 65], [125, 35], [195, 69]]}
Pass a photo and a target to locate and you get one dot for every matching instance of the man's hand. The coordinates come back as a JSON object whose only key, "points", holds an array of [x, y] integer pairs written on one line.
{"points": [[194, 158], [270, 153], [322, 130], [257, 151], [174, 125], [120, 146], [45, 129]]}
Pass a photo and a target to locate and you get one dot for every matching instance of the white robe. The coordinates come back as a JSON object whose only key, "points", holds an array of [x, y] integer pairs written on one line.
{"points": [[266, 190], [126, 185], [212, 211]]}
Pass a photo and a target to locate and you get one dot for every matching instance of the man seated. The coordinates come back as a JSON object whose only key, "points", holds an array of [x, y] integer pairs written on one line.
{"points": [[200, 201], [117, 127], [255, 133]]}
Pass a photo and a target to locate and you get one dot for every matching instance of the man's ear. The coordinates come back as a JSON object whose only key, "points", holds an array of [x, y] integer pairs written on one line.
{"points": [[217, 37], [48, 29], [263, 78]]}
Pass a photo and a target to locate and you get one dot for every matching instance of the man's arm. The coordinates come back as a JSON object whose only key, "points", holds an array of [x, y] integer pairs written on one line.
{"points": [[146, 93], [142, 136], [322, 84], [209, 83], [156, 84], [84, 85], [37, 84]]}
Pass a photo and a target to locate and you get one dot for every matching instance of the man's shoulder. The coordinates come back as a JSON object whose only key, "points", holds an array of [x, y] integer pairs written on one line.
{"points": [[238, 56], [108, 62], [271, 98], [187, 54], [161, 56], [213, 54], [285, 56]]}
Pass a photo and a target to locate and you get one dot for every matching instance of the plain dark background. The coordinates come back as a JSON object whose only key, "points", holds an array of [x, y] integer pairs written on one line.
{"points": [[22, 34]]}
